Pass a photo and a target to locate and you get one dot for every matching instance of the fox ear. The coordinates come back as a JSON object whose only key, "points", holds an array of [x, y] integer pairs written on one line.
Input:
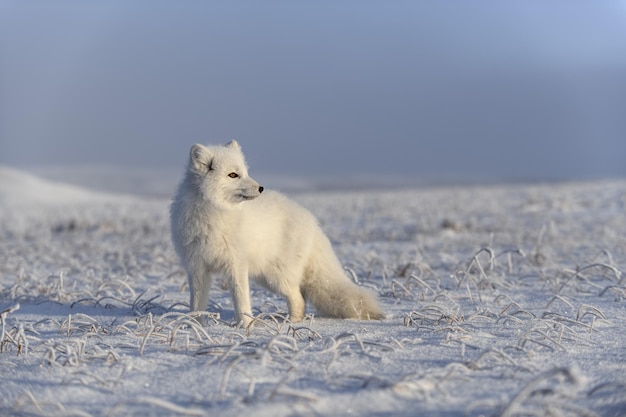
{"points": [[201, 158], [233, 144]]}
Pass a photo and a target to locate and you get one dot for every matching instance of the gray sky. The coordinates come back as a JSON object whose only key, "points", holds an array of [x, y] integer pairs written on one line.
{"points": [[422, 89]]}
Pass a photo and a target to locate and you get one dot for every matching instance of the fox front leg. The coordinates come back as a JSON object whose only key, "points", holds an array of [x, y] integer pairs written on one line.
{"points": [[199, 279], [240, 290]]}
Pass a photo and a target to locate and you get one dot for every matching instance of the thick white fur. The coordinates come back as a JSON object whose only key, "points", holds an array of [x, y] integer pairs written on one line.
{"points": [[228, 225]]}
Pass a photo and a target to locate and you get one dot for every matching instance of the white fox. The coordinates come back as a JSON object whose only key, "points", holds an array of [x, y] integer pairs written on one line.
{"points": [[221, 223]]}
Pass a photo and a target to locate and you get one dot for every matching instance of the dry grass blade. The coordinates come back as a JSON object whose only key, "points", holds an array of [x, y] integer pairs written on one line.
{"points": [[394, 284], [87, 378], [515, 405], [579, 271], [423, 283], [585, 309], [431, 315], [281, 390], [3, 315], [560, 298], [27, 395], [274, 322], [145, 339], [171, 408], [509, 259], [304, 333], [55, 409], [475, 261], [497, 355]]}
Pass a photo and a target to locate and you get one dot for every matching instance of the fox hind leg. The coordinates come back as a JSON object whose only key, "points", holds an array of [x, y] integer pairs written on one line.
{"points": [[296, 304], [285, 279]]}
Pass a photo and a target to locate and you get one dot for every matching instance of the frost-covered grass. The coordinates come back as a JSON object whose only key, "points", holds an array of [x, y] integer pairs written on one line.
{"points": [[501, 301]]}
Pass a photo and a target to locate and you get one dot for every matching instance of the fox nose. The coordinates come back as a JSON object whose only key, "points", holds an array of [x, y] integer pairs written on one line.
{"points": [[260, 189]]}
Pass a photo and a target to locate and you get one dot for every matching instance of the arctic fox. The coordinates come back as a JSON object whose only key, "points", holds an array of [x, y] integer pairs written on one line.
{"points": [[223, 222]]}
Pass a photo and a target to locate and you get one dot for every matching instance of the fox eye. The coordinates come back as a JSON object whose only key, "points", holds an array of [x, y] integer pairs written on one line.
{"points": [[233, 175]]}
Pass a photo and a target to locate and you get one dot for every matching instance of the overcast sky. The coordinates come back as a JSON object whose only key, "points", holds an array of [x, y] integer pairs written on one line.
{"points": [[422, 89]]}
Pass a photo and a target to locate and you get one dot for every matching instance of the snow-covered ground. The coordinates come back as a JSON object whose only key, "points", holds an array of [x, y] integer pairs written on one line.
{"points": [[501, 300]]}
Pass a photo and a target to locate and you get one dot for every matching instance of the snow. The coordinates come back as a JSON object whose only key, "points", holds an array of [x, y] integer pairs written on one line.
{"points": [[24, 190], [501, 300]]}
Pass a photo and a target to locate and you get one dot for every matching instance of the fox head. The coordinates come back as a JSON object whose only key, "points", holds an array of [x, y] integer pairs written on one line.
{"points": [[220, 174]]}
